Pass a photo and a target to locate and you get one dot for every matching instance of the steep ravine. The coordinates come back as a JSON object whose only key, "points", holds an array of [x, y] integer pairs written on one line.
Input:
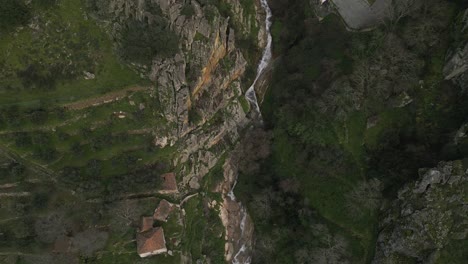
{"points": [[235, 218], [250, 95]]}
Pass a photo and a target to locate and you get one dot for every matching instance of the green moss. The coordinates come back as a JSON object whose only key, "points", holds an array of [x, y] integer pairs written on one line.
{"points": [[215, 176], [200, 37], [276, 29], [244, 103], [203, 235]]}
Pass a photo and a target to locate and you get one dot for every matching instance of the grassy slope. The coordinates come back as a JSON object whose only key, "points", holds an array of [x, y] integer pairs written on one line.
{"points": [[65, 31], [105, 150], [68, 36]]}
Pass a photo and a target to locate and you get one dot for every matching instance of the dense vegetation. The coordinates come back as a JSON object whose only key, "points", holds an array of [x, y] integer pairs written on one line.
{"points": [[139, 37], [67, 164], [353, 116], [12, 14], [142, 41]]}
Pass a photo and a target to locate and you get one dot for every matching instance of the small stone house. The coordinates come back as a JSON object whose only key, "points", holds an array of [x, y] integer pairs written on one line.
{"points": [[146, 223], [169, 184], [164, 209], [151, 242]]}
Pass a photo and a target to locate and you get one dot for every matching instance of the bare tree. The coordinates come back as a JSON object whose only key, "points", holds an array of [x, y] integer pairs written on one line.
{"points": [[254, 147], [124, 214], [366, 195], [398, 9], [423, 31], [262, 203], [334, 251], [362, 75], [89, 241], [50, 227]]}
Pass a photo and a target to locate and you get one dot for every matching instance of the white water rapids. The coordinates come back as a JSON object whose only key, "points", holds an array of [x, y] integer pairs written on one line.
{"points": [[251, 96]]}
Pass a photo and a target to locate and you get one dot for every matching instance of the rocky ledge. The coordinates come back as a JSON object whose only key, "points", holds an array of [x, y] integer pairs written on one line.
{"points": [[428, 217]]}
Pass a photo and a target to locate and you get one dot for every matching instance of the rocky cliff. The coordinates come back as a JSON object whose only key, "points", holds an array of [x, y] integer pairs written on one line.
{"points": [[199, 90], [429, 217]]}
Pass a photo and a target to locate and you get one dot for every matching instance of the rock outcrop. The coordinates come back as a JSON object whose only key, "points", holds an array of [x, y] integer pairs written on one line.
{"points": [[200, 91], [238, 224], [456, 68], [199, 88], [427, 217]]}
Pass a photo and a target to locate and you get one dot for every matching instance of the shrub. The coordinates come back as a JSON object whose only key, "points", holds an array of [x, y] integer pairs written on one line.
{"points": [[13, 13], [188, 10], [141, 42]]}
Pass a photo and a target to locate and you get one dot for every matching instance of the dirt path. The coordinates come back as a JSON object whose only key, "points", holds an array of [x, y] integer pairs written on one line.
{"points": [[104, 99]]}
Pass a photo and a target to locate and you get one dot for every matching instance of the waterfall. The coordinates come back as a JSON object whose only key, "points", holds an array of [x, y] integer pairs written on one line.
{"points": [[266, 58], [242, 255]]}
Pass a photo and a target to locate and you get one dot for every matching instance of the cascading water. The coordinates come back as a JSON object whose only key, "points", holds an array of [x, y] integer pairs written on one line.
{"points": [[251, 96], [266, 58]]}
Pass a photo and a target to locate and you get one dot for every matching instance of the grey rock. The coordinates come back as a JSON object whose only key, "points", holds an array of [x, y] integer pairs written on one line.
{"points": [[194, 184], [456, 67], [427, 216]]}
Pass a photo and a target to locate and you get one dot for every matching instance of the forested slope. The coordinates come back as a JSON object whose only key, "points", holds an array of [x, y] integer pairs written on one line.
{"points": [[351, 118]]}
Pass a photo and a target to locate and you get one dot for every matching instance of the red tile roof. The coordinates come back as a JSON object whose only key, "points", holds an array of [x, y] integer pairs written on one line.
{"points": [[169, 184], [146, 223], [151, 242], [162, 212]]}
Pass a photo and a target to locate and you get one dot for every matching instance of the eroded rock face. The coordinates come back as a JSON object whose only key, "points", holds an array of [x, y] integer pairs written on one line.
{"points": [[199, 90], [237, 222], [200, 87], [427, 216]]}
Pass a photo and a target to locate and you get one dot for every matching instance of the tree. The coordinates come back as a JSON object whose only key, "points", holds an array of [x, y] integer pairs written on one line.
{"points": [[141, 41], [124, 214], [93, 168], [365, 196], [261, 204], [13, 13], [76, 148], [255, 146], [423, 29], [17, 170], [334, 251], [89, 241], [398, 9], [50, 227]]}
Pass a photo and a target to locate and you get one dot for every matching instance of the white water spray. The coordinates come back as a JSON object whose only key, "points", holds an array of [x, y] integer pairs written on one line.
{"points": [[266, 58]]}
